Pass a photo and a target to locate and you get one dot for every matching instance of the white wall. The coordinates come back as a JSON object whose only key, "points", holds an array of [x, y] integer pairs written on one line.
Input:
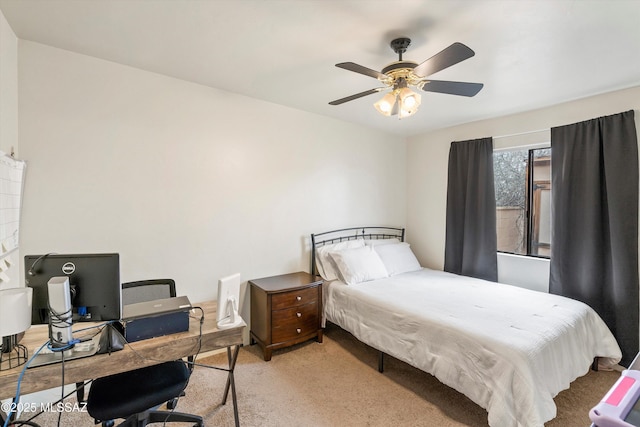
{"points": [[186, 181], [427, 157], [9, 115]]}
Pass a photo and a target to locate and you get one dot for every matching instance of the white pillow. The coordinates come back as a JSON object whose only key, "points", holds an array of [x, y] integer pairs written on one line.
{"points": [[377, 242], [398, 258], [324, 263], [359, 265]]}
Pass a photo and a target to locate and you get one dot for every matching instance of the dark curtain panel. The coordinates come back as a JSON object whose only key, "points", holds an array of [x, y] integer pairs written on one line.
{"points": [[594, 175], [471, 242]]}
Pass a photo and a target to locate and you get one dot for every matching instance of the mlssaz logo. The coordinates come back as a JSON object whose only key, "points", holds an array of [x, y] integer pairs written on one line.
{"points": [[68, 268]]}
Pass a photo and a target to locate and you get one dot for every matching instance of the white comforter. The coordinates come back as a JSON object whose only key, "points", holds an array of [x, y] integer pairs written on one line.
{"points": [[508, 349]]}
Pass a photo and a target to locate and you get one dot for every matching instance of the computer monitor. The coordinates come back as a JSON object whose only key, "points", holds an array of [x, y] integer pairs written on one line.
{"points": [[228, 302], [94, 281]]}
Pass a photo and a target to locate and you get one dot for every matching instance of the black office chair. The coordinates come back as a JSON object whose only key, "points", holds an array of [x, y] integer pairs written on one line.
{"points": [[134, 395]]}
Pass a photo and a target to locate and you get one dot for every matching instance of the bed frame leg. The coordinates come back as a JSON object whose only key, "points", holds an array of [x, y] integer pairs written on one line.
{"points": [[594, 365], [380, 361]]}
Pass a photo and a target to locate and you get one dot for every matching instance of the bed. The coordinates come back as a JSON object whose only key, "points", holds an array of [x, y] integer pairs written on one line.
{"points": [[510, 350]]}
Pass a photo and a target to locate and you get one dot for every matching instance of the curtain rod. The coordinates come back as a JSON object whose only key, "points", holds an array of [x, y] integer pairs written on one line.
{"points": [[522, 133]]}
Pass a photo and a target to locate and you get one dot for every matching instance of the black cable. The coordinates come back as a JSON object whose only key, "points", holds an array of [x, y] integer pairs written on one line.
{"points": [[64, 319], [31, 271], [199, 334], [62, 386], [166, 420], [59, 320], [28, 421], [59, 316], [217, 368], [193, 363]]}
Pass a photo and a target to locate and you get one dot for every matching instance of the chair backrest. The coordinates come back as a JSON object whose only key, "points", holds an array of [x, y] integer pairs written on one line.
{"points": [[147, 290]]}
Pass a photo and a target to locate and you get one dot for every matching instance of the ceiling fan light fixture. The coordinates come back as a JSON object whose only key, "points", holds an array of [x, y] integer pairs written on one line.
{"points": [[408, 105], [409, 100], [403, 102], [385, 104]]}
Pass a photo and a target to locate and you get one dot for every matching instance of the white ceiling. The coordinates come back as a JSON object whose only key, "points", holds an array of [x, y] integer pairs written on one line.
{"points": [[529, 54]]}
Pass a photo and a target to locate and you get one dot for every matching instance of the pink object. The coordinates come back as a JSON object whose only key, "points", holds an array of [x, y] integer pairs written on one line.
{"points": [[617, 394]]}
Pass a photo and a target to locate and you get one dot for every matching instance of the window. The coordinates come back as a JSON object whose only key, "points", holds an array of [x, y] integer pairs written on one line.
{"points": [[523, 201]]}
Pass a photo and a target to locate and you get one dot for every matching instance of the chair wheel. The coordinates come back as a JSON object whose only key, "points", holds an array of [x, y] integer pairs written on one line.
{"points": [[109, 423], [171, 404]]}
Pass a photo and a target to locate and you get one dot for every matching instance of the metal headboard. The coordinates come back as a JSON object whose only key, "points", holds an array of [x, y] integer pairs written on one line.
{"points": [[353, 233]]}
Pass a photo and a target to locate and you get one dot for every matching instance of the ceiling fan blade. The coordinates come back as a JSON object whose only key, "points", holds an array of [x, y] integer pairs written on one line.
{"points": [[455, 53], [352, 66], [356, 96], [452, 88]]}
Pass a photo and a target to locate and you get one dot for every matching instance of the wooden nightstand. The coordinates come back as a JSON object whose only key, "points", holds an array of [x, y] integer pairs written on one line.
{"points": [[285, 310]]}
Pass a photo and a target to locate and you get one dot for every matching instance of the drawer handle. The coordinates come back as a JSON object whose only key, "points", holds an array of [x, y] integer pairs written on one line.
{"points": [[298, 298], [298, 330], [299, 314]]}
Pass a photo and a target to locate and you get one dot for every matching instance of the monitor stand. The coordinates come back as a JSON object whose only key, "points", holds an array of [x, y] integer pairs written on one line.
{"points": [[60, 313]]}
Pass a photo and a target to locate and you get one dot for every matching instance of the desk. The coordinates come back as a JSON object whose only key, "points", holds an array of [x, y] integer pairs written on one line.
{"points": [[147, 352]]}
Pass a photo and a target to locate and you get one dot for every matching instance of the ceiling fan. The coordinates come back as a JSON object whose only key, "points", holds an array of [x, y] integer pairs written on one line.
{"points": [[401, 76]]}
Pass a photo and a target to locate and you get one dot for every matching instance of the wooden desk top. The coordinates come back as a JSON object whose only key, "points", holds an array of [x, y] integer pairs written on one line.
{"points": [[147, 352]]}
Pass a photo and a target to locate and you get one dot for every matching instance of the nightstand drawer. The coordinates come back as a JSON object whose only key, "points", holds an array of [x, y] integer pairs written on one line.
{"points": [[294, 298], [292, 331], [297, 314]]}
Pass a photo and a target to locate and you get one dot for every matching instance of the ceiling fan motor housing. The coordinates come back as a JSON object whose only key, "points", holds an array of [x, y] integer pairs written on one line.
{"points": [[394, 67], [400, 71]]}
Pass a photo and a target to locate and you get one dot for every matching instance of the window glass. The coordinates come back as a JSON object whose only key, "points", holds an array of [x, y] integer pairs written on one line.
{"points": [[523, 201], [541, 203], [510, 174]]}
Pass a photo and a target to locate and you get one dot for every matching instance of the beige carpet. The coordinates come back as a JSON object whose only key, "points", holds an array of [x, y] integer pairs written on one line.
{"points": [[336, 383]]}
